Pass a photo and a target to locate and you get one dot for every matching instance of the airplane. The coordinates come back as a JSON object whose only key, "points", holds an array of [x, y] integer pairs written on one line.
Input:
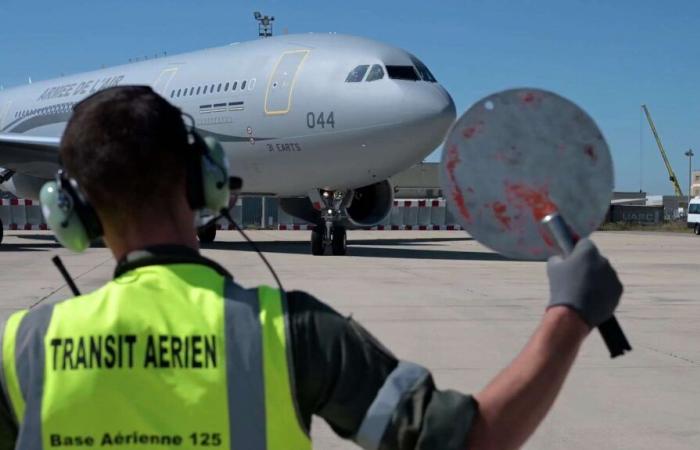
{"points": [[319, 120]]}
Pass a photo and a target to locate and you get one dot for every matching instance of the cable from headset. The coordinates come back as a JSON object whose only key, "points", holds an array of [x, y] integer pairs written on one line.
{"points": [[226, 214]]}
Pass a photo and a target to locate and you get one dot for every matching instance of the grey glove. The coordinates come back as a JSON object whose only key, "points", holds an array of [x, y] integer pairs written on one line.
{"points": [[585, 282]]}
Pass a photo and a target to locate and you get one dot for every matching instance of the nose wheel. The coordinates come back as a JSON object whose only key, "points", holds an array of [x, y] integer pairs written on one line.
{"points": [[330, 233], [337, 240]]}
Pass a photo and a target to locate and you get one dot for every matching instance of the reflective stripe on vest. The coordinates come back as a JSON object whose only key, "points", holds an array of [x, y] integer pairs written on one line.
{"points": [[163, 356], [10, 381]]}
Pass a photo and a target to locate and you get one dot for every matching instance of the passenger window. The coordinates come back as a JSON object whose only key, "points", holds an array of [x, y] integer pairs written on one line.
{"points": [[357, 74], [178, 92], [243, 85], [402, 73], [219, 88], [191, 91], [205, 89], [172, 94], [375, 73], [251, 85], [235, 83], [226, 87], [199, 88], [211, 89], [423, 70]]}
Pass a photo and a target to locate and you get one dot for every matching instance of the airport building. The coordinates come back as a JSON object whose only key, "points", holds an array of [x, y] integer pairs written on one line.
{"points": [[695, 186]]}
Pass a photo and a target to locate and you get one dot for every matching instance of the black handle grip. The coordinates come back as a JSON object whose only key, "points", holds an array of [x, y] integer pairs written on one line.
{"points": [[614, 337], [611, 331]]}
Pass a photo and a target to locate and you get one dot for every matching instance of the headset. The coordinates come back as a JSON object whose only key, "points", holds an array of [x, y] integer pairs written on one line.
{"points": [[75, 222]]}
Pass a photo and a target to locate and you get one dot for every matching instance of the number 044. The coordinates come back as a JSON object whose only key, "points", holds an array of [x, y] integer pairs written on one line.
{"points": [[321, 119]]}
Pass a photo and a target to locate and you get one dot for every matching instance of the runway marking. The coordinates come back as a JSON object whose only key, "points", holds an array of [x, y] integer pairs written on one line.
{"points": [[671, 354], [66, 285]]}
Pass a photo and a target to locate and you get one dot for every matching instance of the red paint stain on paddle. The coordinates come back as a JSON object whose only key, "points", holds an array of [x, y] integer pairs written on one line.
{"points": [[536, 200], [457, 196], [530, 98], [590, 152], [547, 238], [499, 211], [469, 132]]}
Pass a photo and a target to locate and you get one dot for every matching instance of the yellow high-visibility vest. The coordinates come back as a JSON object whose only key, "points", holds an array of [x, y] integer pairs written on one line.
{"points": [[164, 356]]}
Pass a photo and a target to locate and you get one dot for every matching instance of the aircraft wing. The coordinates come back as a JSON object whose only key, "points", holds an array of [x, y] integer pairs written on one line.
{"points": [[30, 155]]}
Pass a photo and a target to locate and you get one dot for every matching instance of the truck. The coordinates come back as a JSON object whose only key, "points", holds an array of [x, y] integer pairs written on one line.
{"points": [[694, 215]]}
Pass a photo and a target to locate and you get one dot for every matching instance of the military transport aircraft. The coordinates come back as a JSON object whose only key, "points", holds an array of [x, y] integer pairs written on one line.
{"points": [[319, 120]]}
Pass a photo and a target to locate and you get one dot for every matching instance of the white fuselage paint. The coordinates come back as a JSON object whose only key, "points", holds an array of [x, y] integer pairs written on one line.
{"points": [[270, 130]]}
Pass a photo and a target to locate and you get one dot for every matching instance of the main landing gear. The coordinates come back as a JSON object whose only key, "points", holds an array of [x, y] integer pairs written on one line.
{"points": [[329, 232]]}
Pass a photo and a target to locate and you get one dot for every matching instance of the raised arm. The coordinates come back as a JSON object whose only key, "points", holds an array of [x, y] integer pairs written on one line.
{"points": [[584, 293]]}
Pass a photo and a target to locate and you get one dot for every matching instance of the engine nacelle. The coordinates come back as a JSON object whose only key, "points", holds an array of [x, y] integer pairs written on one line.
{"points": [[370, 204], [363, 207], [301, 208], [23, 186]]}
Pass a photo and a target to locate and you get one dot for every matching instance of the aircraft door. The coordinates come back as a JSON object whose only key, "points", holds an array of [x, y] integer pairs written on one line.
{"points": [[278, 98], [163, 81]]}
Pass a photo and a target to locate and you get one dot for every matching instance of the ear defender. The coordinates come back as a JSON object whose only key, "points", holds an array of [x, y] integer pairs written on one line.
{"points": [[72, 219], [208, 184]]}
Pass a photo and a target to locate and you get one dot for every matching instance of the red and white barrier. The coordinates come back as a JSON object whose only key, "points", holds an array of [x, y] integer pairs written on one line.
{"points": [[21, 214], [408, 214], [17, 202], [436, 203], [416, 227], [296, 227]]}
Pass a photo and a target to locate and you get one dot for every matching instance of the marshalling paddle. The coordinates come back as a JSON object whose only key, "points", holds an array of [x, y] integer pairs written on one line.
{"points": [[527, 173]]}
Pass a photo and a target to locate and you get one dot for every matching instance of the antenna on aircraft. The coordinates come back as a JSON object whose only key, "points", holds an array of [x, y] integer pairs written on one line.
{"points": [[264, 24]]}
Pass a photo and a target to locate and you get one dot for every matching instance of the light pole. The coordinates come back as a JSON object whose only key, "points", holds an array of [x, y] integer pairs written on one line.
{"points": [[690, 155]]}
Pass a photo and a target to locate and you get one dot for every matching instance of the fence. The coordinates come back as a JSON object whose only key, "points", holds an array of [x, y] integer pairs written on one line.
{"points": [[264, 212]]}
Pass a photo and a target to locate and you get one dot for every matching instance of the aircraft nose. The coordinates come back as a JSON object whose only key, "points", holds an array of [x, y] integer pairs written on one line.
{"points": [[431, 108]]}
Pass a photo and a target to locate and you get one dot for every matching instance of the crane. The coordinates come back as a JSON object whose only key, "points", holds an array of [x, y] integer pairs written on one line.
{"points": [[671, 174]]}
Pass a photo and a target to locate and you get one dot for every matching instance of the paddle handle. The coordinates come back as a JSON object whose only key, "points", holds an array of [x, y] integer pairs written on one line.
{"points": [[610, 330]]}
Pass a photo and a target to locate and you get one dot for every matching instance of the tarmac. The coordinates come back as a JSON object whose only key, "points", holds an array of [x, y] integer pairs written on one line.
{"points": [[442, 300]]}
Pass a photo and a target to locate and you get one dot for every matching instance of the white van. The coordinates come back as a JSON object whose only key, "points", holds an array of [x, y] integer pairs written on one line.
{"points": [[694, 215]]}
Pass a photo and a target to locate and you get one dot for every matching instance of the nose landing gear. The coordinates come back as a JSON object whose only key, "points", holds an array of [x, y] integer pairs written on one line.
{"points": [[330, 233]]}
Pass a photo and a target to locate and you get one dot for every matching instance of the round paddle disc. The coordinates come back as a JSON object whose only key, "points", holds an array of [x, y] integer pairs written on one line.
{"points": [[515, 157]]}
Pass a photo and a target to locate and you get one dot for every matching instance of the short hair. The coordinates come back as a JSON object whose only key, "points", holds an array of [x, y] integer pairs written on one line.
{"points": [[127, 148]]}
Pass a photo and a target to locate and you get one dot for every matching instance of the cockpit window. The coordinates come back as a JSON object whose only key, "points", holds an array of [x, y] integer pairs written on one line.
{"points": [[375, 73], [402, 73], [423, 70], [357, 74]]}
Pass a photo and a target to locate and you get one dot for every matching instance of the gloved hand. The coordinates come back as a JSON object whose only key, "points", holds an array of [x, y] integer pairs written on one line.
{"points": [[586, 282]]}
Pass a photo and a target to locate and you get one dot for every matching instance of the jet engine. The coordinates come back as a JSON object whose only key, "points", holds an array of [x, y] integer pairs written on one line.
{"points": [[370, 205], [22, 186], [362, 207]]}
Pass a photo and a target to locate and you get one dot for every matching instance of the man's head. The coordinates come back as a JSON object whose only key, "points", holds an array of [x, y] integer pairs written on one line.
{"points": [[127, 148]]}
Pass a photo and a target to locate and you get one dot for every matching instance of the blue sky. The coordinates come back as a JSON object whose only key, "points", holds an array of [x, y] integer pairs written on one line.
{"points": [[608, 56]]}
